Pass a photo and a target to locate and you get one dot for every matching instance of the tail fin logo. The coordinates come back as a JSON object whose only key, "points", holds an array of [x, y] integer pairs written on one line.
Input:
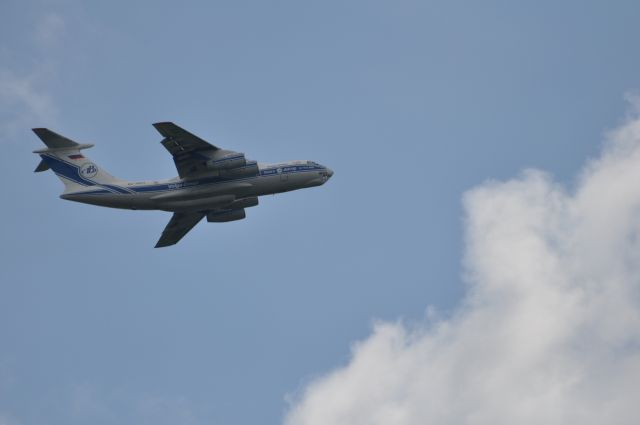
{"points": [[88, 170]]}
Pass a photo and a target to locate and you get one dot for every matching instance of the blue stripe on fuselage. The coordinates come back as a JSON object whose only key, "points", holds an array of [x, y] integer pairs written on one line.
{"points": [[217, 179], [117, 188], [65, 169], [95, 192], [72, 172]]}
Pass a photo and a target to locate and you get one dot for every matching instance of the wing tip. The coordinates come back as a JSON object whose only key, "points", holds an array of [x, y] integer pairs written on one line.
{"points": [[166, 128], [179, 225], [160, 244]]}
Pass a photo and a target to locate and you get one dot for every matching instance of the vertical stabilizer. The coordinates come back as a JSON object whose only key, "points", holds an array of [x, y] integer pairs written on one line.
{"points": [[63, 157]]}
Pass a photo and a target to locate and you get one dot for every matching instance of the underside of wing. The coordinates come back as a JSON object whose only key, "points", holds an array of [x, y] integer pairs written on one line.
{"points": [[178, 226]]}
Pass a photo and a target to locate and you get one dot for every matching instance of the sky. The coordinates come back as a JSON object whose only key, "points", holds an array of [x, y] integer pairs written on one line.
{"points": [[474, 258]]}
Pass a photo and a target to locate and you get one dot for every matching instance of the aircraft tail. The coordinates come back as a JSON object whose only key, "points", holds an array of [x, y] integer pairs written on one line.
{"points": [[63, 157]]}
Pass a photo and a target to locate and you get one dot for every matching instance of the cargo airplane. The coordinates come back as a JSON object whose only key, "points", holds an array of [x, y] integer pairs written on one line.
{"points": [[212, 182]]}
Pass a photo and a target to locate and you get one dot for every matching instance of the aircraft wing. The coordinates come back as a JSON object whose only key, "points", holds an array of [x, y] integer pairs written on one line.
{"points": [[188, 150], [178, 226]]}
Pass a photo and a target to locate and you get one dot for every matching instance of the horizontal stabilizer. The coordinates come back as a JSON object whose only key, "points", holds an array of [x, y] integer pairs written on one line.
{"points": [[53, 140], [43, 166]]}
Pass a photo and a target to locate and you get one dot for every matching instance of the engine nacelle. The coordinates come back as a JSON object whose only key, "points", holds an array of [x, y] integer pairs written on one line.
{"points": [[222, 216], [250, 169], [226, 161]]}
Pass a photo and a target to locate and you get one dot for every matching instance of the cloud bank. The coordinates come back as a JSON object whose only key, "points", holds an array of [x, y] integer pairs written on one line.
{"points": [[549, 331]]}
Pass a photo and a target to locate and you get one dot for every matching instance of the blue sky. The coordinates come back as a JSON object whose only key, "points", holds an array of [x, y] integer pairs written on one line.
{"points": [[410, 103]]}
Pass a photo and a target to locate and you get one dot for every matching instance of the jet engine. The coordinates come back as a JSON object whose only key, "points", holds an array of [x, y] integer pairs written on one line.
{"points": [[250, 169], [226, 160], [222, 216]]}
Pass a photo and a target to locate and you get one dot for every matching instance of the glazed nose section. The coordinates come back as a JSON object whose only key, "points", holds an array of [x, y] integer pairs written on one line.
{"points": [[329, 172]]}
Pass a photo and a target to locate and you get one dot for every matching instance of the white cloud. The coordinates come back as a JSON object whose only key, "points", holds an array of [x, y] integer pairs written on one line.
{"points": [[50, 30], [25, 98], [549, 331], [23, 103]]}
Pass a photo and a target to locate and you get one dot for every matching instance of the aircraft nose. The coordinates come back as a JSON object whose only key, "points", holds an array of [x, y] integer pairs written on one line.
{"points": [[329, 172]]}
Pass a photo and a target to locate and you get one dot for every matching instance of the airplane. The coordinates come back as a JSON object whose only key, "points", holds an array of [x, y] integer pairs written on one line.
{"points": [[212, 182]]}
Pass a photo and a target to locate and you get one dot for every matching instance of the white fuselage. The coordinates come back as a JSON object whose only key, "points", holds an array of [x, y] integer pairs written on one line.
{"points": [[206, 192]]}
